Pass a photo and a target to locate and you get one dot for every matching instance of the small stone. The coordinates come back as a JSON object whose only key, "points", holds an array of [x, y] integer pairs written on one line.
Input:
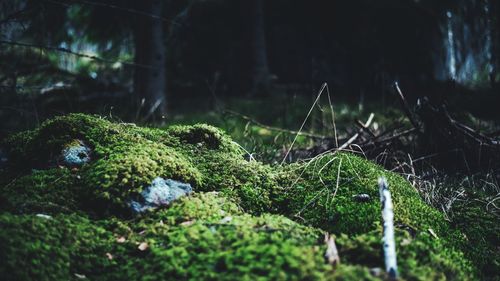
{"points": [[362, 197], [76, 154], [109, 255], [121, 239]]}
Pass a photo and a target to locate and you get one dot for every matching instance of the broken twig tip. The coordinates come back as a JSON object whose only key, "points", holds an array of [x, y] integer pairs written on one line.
{"points": [[331, 254]]}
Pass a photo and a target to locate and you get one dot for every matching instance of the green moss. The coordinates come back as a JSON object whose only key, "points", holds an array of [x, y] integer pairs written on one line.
{"points": [[50, 191], [245, 247], [38, 248], [206, 206], [234, 226], [124, 173], [421, 257], [481, 231], [319, 198], [313, 192]]}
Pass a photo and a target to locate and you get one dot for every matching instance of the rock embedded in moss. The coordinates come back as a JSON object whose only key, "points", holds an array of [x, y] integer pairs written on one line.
{"points": [[161, 192], [75, 154]]}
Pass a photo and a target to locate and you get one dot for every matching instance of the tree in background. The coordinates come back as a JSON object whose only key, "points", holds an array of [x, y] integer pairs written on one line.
{"points": [[150, 83], [261, 75], [102, 35]]}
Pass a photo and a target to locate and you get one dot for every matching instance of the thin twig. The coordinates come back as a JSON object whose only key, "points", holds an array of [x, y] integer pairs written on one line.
{"points": [[355, 136]]}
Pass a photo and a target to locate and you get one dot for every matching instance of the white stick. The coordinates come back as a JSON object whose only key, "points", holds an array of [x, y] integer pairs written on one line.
{"points": [[388, 218]]}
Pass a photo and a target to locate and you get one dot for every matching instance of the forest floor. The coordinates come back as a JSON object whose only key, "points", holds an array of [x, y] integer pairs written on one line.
{"points": [[292, 131]]}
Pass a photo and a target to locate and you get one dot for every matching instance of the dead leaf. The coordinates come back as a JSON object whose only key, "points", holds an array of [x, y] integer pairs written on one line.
{"points": [[187, 223], [109, 255], [143, 246], [121, 239], [405, 242]]}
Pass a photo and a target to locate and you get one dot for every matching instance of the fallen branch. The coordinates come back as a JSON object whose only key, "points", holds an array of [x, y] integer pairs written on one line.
{"points": [[276, 129], [406, 108], [391, 266], [355, 136]]}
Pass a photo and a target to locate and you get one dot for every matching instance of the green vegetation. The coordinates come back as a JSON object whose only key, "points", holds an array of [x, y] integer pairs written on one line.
{"points": [[246, 220]]}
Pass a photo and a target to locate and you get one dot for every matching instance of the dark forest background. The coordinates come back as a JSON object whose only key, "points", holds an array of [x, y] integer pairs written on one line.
{"points": [[151, 60]]}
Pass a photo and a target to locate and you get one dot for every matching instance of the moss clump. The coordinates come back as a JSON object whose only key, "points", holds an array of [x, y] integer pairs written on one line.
{"points": [[421, 256], [239, 231], [323, 196], [212, 239], [39, 248], [50, 191], [322, 193], [245, 247], [124, 162], [481, 230], [121, 175], [223, 167]]}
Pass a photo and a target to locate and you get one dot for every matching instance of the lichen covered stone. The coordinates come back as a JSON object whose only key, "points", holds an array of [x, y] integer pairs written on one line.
{"points": [[161, 192], [76, 154], [243, 219]]}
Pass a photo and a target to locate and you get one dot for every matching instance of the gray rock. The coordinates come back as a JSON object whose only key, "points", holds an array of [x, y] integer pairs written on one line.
{"points": [[76, 154], [161, 192]]}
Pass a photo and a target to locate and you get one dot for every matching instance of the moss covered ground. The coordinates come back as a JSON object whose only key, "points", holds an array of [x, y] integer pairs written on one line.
{"points": [[245, 220]]}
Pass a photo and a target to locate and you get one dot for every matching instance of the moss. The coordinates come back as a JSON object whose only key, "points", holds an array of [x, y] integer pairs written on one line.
{"points": [[481, 231], [120, 176], [224, 168], [246, 247], [125, 160], [207, 206], [202, 135], [207, 237], [421, 257], [49, 191], [37, 248], [320, 198], [313, 192], [234, 224]]}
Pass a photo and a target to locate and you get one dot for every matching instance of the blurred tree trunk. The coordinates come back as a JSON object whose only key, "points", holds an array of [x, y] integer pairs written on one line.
{"points": [[261, 75], [150, 85], [494, 12]]}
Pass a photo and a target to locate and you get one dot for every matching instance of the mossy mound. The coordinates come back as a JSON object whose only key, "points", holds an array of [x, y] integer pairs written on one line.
{"points": [[215, 237], [239, 232]]}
